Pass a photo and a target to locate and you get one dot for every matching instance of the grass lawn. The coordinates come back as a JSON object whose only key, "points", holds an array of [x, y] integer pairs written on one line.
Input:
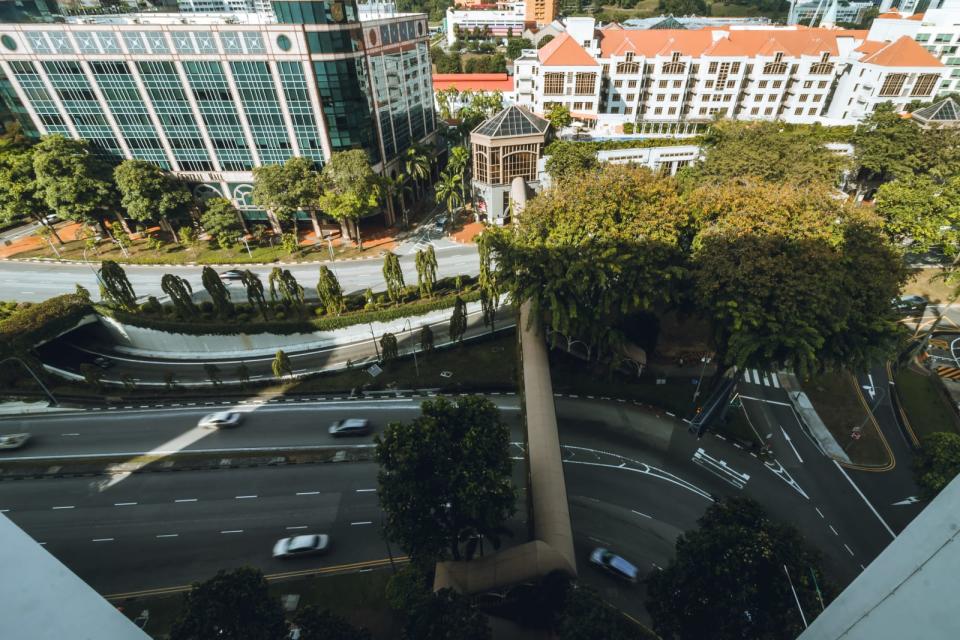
{"points": [[359, 597], [928, 283], [140, 253], [837, 401], [926, 406], [572, 375]]}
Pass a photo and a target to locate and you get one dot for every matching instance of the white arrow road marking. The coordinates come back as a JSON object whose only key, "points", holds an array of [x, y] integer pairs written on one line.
{"points": [[720, 469], [790, 442], [906, 501], [871, 388]]}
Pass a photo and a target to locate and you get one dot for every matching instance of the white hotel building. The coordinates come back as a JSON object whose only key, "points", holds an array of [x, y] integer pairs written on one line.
{"points": [[667, 80]]}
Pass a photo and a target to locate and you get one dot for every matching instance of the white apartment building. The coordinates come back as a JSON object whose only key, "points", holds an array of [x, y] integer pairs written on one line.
{"points": [[851, 12], [666, 79], [506, 20], [938, 30]]}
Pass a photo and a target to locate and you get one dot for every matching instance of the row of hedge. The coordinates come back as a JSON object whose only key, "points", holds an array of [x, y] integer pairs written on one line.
{"points": [[286, 327], [33, 324], [638, 143]]}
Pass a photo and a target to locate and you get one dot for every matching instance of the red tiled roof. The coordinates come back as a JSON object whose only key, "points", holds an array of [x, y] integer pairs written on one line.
{"points": [[735, 42], [563, 51], [473, 81], [904, 52], [917, 17]]}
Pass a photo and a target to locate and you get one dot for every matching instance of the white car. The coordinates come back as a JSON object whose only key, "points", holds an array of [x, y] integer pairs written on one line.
{"points": [[14, 440], [301, 546], [613, 563], [220, 420]]}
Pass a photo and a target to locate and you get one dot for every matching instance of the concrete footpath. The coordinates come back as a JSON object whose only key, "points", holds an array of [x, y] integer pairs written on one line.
{"points": [[810, 419]]}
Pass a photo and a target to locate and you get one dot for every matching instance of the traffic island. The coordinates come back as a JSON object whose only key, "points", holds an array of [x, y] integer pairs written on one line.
{"points": [[926, 406]]}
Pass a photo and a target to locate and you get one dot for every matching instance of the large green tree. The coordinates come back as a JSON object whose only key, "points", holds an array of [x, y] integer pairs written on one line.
{"points": [[19, 198], [232, 605], [937, 463], [72, 181], [794, 276], [151, 195], [350, 190], [222, 221], [569, 158], [393, 276], [321, 624], [329, 291], [922, 210], [445, 615], [219, 294], [115, 286], [180, 293], [444, 479], [887, 146], [449, 190], [684, 7], [594, 250], [729, 579], [254, 287], [764, 151], [426, 263], [284, 189]]}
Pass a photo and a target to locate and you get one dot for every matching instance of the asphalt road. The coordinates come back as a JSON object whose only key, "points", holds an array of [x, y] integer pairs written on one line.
{"points": [[632, 487], [35, 281]]}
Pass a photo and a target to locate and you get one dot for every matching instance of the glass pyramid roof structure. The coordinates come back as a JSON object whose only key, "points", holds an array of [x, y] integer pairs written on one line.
{"points": [[943, 113], [512, 121]]}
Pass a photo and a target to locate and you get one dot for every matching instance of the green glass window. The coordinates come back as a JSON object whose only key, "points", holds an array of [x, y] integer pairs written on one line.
{"points": [[44, 106], [295, 92], [215, 102], [343, 89], [262, 107]]}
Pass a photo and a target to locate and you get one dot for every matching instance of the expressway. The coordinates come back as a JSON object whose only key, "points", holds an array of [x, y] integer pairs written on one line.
{"points": [[633, 485], [35, 281]]}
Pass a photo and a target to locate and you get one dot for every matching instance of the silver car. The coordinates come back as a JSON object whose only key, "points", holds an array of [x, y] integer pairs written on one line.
{"points": [[301, 546], [221, 420], [350, 427], [14, 440], [613, 563]]}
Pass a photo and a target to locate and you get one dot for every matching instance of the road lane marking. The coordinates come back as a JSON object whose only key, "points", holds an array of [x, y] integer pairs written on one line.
{"points": [[233, 531], [864, 498], [849, 550], [782, 404], [354, 524], [834, 530], [69, 434], [67, 507], [819, 513], [168, 535], [124, 504], [244, 497], [720, 469], [102, 540], [365, 490], [308, 493], [790, 442], [641, 514], [299, 526], [186, 500]]}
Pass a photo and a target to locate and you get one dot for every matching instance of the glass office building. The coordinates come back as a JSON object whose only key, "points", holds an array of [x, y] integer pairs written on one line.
{"points": [[211, 96]]}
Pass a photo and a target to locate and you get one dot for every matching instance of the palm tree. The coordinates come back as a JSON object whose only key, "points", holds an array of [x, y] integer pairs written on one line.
{"points": [[416, 164], [459, 161], [448, 191], [395, 187]]}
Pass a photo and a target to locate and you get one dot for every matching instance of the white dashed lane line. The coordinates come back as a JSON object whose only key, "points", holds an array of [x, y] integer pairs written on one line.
{"points": [[834, 530], [819, 513], [245, 497], [102, 540], [641, 514], [168, 535], [849, 550], [66, 507], [233, 531], [365, 490], [124, 504], [186, 500], [308, 493], [300, 526], [354, 524]]}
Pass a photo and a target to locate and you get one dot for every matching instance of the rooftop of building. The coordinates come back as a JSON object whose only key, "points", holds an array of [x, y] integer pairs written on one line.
{"points": [[472, 81], [212, 18], [563, 51], [903, 52], [512, 121], [943, 113]]}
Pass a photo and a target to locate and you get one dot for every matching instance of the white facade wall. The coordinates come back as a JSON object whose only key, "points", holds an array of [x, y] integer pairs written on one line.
{"points": [[862, 88], [500, 23]]}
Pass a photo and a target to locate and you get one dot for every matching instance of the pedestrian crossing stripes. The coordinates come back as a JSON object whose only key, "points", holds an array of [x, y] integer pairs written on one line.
{"points": [[762, 378], [950, 373]]}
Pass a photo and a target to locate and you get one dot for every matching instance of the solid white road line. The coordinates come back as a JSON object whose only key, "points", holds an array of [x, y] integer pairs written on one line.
{"points": [[782, 404], [641, 514], [864, 498], [790, 442]]}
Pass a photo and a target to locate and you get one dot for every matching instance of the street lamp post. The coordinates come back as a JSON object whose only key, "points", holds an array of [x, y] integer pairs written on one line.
{"points": [[705, 360], [374, 338], [53, 400], [410, 333], [246, 244], [96, 274]]}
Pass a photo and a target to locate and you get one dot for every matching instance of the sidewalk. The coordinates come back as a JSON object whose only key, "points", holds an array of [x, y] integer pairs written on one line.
{"points": [[67, 232], [810, 418]]}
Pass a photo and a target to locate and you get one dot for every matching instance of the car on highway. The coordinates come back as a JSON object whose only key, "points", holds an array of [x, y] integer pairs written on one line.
{"points": [[611, 562], [297, 546], [350, 427], [440, 225], [909, 304], [221, 420], [103, 363], [231, 274], [14, 440]]}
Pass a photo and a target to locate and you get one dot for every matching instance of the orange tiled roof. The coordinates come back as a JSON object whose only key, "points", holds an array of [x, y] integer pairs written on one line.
{"points": [[904, 52], [735, 42], [473, 81], [890, 15], [918, 17], [563, 51]]}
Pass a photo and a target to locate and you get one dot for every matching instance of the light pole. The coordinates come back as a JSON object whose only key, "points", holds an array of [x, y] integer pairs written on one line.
{"points": [[53, 400], [410, 333], [96, 273], [705, 360], [374, 338], [246, 244]]}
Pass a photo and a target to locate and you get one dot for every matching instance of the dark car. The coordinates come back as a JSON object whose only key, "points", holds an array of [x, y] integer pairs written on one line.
{"points": [[350, 427], [232, 274]]}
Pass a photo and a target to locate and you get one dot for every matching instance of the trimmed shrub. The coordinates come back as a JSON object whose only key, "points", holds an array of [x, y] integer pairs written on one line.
{"points": [[31, 324]]}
